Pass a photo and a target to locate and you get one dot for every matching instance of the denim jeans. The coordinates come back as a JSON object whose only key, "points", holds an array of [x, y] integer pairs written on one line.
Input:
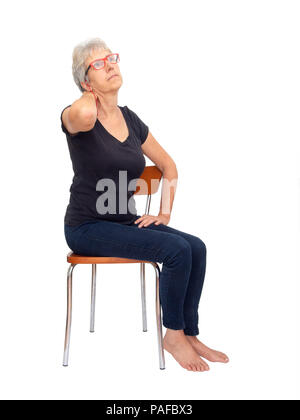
{"points": [[183, 258]]}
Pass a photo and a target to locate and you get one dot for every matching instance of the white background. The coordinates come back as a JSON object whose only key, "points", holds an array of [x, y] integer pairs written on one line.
{"points": [[218, 84]]}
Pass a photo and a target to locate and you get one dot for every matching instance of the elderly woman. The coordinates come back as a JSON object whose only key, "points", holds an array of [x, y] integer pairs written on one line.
{"points": [[107, 144]]}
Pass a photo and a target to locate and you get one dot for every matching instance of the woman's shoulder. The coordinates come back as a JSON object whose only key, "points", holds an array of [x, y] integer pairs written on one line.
{"points": [[132, 114], [138, 124]]}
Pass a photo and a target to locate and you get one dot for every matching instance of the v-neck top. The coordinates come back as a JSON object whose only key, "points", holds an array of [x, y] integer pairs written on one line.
{"points": [[105, 171], [107, 132]]}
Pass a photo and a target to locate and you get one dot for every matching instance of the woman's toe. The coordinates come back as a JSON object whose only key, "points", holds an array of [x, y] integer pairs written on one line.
{"points": [[204, 364], [224, 357]]}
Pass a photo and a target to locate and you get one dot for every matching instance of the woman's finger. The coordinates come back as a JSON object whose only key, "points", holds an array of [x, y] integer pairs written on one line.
{"points": [[146, 221], [139, 219], [142, 223], [156, 220], [149, 223]]}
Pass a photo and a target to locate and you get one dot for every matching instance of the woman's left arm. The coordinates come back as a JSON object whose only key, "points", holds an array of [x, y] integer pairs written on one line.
{"points": [[155, 152]]}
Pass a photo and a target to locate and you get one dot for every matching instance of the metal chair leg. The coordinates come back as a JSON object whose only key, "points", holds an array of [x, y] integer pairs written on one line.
{"points": [[69, 315], [143, 295], [158, 318], [93, 298]]}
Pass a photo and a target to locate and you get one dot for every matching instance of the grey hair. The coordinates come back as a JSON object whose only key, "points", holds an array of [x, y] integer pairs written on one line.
{"points": [[80, 53]]}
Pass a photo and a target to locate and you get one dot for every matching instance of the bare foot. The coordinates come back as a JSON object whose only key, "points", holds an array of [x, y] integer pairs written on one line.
{"points": [[206, 352], [176, 343]]}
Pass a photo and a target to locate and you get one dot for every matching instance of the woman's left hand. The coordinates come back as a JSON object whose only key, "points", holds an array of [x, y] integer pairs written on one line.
{"points": [[147, 219]]}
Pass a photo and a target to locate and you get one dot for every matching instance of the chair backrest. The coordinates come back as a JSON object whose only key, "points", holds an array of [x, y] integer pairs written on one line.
{"points": [[148, 183]]}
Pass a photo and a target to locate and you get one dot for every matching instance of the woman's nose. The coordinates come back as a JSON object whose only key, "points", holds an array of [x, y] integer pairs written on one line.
{"points": [[108, 64]]}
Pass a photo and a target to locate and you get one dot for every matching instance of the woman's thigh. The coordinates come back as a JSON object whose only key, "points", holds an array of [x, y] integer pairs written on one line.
{"points": [[105, 238], [196, 243]]}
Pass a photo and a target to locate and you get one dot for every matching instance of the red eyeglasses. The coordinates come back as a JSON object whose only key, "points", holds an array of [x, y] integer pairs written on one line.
{"points": [[100, 62]]}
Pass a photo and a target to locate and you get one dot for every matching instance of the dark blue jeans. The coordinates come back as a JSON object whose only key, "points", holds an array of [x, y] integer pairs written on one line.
{"points": [[183, 258]]}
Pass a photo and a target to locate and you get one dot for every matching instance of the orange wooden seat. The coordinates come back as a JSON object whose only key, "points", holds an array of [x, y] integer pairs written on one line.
{"points": [[82, 259], [147, 184]]}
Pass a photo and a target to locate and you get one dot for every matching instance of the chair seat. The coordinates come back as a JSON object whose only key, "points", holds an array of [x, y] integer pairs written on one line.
{"points": [[82, 259]]}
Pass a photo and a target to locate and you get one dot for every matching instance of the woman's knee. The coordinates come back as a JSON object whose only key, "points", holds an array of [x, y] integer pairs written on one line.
{"points": [[179, 250], [198, 246]]}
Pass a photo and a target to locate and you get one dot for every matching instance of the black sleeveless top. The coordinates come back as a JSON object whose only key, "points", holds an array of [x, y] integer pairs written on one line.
{"points": [[105, 172]]}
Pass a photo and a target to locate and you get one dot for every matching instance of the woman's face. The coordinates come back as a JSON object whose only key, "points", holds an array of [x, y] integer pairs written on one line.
{"points": [[101, 80]]}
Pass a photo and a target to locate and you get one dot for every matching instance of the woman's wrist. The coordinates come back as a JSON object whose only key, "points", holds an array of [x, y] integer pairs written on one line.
{"points": [[95, 96], [167, 215]]}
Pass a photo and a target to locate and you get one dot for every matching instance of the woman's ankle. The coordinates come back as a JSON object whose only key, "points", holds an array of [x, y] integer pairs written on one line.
{"points": [[174, 335]]}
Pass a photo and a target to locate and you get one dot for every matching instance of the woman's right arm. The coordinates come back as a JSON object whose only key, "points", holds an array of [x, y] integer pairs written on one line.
{"points": [[81, 115]]}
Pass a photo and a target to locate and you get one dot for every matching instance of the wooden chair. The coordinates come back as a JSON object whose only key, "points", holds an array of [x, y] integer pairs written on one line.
{"points": [[147, 184]]}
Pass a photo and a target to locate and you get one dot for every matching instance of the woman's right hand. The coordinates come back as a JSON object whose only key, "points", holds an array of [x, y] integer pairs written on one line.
{"points": [[90, 93], [91, 98]]}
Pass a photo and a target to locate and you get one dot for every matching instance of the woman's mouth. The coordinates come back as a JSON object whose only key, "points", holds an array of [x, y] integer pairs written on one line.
{"points": [[112, 76]]}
